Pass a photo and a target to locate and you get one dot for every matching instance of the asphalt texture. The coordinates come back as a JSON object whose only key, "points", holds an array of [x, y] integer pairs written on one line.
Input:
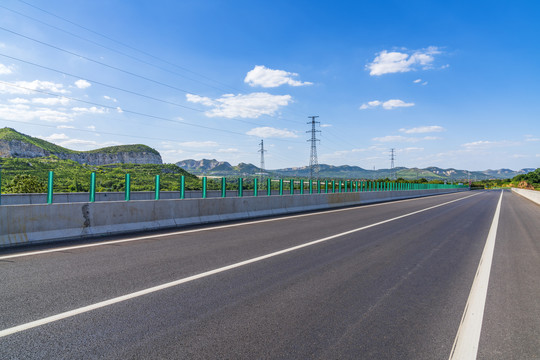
{"points": [[396, 290]]}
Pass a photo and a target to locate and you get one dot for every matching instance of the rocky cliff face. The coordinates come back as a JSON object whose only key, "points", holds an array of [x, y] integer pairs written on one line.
{"points": [[21, 149]]}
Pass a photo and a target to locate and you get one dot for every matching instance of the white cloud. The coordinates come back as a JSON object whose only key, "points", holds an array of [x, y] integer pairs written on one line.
{"points": [[269, 78], [54, 137], [387, 105], [119, 110], [51, 101], [90, 110], [5, 70], [199, 144], [19, 101], [326, 125], [480, 143], [417, 81], [400, 138], [394, 62], [270, 132], [244, 106], [82, 84], [65, 127], [423, 129], [531, 138], [22, 112], [91, 127], [391, 138], [228, 151], [109, 98], [26, 87]]}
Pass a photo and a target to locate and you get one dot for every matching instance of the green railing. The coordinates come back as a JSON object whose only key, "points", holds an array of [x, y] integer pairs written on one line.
{"points": [[296, 187]]}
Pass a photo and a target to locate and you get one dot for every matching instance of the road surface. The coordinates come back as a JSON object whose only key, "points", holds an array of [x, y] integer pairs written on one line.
{"points": [[383, 281]]}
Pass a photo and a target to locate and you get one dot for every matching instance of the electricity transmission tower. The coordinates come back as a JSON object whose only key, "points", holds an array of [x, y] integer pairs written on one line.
{"points": [[313, 161], [392, 158], [262, 151]]}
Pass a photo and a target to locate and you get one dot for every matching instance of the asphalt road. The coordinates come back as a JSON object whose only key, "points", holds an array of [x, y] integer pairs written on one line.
{"points": [[385, 281]]}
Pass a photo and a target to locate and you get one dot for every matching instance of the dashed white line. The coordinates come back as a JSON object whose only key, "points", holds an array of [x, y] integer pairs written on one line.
{"points": [[468, 335]]}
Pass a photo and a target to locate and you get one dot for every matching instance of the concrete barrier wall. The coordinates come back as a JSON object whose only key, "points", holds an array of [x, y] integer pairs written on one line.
{"points": [[26, 224], [532, 195], [23, 199]]}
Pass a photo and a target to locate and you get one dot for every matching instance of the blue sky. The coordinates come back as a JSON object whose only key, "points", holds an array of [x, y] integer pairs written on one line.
{"points": [[447, 84]]}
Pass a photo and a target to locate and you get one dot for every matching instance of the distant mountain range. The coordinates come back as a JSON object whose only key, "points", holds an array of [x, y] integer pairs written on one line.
{"points": [[223, 168]]}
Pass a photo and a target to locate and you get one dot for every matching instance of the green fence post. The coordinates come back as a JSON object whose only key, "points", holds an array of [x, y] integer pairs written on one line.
{"points": [[255, 187], [333, 186], [204, 183], [301, 187], [93, 187], [310, 186], [127, 188], [280, 186], [182, 187], [291, 187], [223, 187], [339, 187], [156, 197], [50, 188], [240, 187], [269, 186]]}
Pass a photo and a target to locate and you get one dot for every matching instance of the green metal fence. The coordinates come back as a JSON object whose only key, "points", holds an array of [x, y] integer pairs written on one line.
{"points": [[312, 187]]}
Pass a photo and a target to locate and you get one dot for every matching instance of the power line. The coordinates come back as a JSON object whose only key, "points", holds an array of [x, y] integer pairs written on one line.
{"points": [[123, 110], [96, 61], [392, 158], [126, 45], [118, 88], [111, 49], [262, 151], [313, 161], [131, 111]]}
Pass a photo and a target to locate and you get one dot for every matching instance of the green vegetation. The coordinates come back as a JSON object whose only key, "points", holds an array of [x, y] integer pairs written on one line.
{"points": [[525, 181], [70, 176], [10, 134], [25, 184]]}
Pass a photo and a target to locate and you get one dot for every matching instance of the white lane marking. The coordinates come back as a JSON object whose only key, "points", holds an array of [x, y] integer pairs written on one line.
{"points": [[101, 304], [468, 335], [146, 237]]}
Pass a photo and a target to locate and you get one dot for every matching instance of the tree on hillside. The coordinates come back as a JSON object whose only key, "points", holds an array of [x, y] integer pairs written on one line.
{"points": [[24, 184]]}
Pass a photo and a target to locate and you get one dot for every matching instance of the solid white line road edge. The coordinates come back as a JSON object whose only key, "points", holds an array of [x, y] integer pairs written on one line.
{"points": [[468, 336], [182, 232], [101, 304]]}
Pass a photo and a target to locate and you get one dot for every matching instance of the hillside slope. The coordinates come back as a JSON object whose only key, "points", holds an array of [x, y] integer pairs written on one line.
{"points": [[14, 144]]}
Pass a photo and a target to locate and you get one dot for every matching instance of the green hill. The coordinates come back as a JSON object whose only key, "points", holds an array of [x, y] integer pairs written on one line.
{"points": [[9, 134]]}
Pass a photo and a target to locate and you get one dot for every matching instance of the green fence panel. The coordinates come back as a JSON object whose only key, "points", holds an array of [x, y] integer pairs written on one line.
{"points": [[157, 188], [92, 187], [240, 187], [50, 186], [127, 188], [255, 187], [223, 187], [204, 183]]}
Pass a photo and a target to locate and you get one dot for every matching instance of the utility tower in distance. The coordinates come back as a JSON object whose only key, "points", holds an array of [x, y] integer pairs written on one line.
{"points": [[262, 151], [392, 158], [313, 161]]}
